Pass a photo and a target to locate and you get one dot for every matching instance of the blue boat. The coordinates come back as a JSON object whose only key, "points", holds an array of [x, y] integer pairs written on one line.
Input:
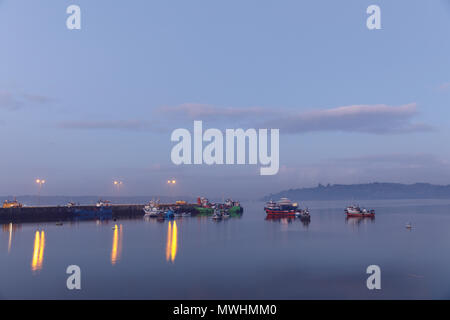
{"points": [[170, 214]]}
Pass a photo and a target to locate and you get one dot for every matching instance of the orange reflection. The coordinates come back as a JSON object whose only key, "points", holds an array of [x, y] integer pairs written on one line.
{"points": [[38, 251], [172, 242], [116, 250]]}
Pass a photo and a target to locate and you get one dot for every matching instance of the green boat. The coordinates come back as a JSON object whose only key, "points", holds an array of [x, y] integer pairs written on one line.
{"points": [[234, 211]]}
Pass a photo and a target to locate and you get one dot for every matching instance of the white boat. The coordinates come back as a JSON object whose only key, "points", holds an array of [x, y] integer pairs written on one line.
{"points": [[103, 203], [152, 210], [217, 215], [302, 213]]}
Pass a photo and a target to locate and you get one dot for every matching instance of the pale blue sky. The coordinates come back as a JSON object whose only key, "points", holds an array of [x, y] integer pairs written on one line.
{"points": [[82, 108]]}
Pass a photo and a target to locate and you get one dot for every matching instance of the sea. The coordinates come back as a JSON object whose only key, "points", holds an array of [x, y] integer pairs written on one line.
{"points": [[247, 257]]}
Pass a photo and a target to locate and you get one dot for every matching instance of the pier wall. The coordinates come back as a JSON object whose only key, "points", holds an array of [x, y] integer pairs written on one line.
{"points": [[63, 213]]}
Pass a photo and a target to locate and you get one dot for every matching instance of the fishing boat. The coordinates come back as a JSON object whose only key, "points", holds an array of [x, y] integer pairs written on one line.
{"points": [[217, 215], [283, 207], [356, 211], [303, 214], [169, 214], [152, 210], [103, 203], [12, 204], [225, 214]]}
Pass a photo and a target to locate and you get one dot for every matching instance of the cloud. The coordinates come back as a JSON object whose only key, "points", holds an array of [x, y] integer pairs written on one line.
{"points": [[202, 111], [8, 101], [36, 98], [132, 125], [12, 101], [377, 119], [444, 87]]}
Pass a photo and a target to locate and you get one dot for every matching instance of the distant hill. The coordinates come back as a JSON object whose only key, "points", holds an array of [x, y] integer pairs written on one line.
{"points": [[369, 191]]}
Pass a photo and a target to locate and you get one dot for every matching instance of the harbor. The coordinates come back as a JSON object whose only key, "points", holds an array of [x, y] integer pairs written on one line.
{"points": [[14, 212]]}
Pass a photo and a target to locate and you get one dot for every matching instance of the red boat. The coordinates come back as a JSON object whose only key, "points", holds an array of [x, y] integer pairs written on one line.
{"points": [[284, 207], [355, 211]]}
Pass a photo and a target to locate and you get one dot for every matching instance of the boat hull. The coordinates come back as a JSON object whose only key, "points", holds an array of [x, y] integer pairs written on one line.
{"points": [[280, 212], [360, 215]]}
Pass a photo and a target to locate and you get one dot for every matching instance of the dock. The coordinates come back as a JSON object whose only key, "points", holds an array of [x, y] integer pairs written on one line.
{"points": [[65, 213]]}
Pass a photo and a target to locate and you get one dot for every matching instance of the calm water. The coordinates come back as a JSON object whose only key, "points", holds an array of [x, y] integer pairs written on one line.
{"points": [[248, 257]]}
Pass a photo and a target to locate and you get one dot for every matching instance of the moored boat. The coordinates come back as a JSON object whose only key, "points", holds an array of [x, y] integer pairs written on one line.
{"points": [[12, 204], [282, 207], [152, 210], [356, 211]]}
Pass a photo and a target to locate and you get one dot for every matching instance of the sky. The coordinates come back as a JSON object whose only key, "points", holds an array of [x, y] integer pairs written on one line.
{"points": [[82, 108]]}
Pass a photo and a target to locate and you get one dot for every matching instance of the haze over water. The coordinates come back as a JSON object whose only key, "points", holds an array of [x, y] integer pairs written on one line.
{"points": [[240, 258]]}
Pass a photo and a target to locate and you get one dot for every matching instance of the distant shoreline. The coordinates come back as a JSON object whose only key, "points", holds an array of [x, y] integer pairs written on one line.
{"points": [[368, 191]]}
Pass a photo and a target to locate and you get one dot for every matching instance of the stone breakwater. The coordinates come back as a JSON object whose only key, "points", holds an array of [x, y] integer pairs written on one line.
{"points": [[64, 213]]}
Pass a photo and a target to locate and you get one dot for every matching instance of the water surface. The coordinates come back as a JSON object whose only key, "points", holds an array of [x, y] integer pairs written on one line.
{"points": [[247, 257]]}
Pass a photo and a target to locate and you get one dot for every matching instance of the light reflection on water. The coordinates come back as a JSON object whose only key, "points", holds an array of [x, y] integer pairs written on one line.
{"points": [[38, 251], [116, 251], [172, 241]]}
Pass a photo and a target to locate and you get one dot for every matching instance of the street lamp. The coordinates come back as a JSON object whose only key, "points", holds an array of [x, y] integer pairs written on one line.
{"points": [[40, 182], [118, 183], [171, 183]]}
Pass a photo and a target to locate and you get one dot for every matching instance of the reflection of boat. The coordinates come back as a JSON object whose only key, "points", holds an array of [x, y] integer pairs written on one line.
{"points": [[356, 211], [284, 219], [356, 221]]}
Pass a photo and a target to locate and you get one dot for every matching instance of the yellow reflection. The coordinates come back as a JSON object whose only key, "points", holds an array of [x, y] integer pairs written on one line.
{"points": [[172, 242], [169, 240], [10, 237], [38, 251], [116, 250]]}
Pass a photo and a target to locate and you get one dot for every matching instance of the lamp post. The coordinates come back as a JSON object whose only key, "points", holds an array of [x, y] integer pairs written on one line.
{"points": [[40, 182], [171, 183], [118, 184]]}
